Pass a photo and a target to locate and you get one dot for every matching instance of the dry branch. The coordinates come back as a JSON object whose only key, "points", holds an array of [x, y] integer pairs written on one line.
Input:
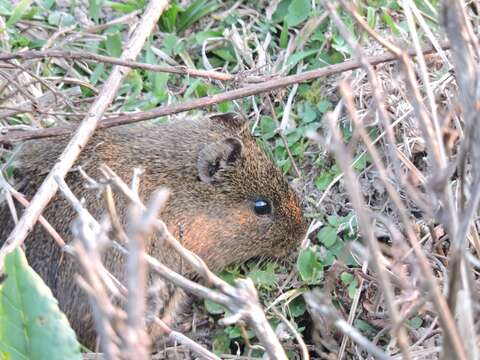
{"points": [[83, 55], [453, 347], [266, 86]]}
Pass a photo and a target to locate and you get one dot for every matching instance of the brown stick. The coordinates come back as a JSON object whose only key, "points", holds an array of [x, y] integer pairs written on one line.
{"points": [[250, 90], [83, 55], [49, 187]]}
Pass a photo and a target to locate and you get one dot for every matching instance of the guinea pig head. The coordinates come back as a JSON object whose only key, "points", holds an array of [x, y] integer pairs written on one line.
{"points": [[244, 206]]}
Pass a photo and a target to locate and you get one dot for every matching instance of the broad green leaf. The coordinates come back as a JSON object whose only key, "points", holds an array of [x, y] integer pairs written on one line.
{"points": [[281, 11], [221, 344], [308, 114], [415, 322], [169, 44], [352, 288], [264, 278], [346, 277], [298, 12], [322, 181], [328, 236], [268, 127], [31, 324], [160, 81], [309, 267], [297, 307], [60, 18], [235, 332], [324, 105], [226, 54], [47, 4], [18, 12], [214, 308], [361, 162]]}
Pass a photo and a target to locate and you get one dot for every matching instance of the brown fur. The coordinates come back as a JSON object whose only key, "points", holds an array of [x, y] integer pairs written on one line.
{"points": [[214, 169]]}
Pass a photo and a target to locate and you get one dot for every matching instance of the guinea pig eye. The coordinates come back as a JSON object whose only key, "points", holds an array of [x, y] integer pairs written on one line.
{"points": [[262, 206]]}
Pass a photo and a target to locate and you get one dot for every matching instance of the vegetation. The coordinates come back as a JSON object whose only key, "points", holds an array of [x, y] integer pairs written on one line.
{"points": [[256, 40]]}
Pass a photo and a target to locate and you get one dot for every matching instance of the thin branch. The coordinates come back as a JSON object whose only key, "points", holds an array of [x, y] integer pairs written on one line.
{"points": [[83, 55], [267, 86], [366, 229]]}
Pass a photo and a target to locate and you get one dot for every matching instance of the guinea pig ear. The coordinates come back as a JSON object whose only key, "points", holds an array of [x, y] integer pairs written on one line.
{"points": [[218, 156], [230, 120]]}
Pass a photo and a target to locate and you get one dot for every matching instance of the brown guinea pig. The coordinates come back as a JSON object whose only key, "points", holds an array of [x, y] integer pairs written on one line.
{"points": [[228, 201]]}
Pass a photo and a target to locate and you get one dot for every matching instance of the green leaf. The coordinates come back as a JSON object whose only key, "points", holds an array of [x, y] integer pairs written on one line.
{"points": [[268, 127], [281, 11], [298, 12], [47, 4], [31, 324], [201, 36], [94, 9], [192, 87], [283, 41], [160, 81], [308, 114], [415, 322], [213, 308], [113, 45], [235, 332], [226, 54], [322, 181], [298, 56], [18, 12], [169, 17], [297, 307], [328, 236], [365, 327], [352, 288], [324, 105], [169, 43], [225, 106], [264, 278], [309, 267], [221, 344], [387, 19], [135, 80], [361, 162], [97, 73], [60, 18], [346, 277], [195, 12], [371, 19]]}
